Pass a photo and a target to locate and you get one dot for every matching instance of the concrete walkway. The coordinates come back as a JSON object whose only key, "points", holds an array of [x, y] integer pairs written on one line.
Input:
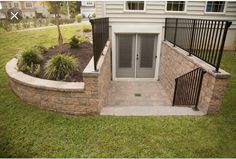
{"points": [[138, 98]]}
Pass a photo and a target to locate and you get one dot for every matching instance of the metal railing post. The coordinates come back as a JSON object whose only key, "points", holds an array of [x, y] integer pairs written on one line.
{"points": [[227, 25], [191, 44], [94, 47], [165, 29], [199, 90], [176, 84], [176, 26]]}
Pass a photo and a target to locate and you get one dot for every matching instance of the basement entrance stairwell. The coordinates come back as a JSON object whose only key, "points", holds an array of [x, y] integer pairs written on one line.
{"points": [[189, 74]]}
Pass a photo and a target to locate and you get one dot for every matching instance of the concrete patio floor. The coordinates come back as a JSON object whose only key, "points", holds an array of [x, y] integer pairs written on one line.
{"points": [[141, 98]]}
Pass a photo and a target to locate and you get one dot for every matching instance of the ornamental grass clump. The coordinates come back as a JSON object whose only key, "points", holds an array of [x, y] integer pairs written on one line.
{"points": [[61, 67], [29, 61]]}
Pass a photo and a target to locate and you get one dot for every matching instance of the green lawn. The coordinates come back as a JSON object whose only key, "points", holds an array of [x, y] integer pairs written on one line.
{"points": [[26, 131]]}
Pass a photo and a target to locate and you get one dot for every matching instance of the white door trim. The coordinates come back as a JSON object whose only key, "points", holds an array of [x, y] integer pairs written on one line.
{"points": [[138, 29]]}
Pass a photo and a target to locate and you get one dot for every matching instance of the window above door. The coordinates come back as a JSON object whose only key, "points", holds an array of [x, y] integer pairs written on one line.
{"points": [[176, 6], [134, 6]]}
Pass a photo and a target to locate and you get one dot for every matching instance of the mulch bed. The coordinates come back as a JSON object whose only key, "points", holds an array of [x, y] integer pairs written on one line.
{"points": [[84, 54]]}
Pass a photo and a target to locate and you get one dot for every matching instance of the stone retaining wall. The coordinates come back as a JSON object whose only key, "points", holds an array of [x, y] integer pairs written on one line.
{"points": [[176, 62], [86, 97]]}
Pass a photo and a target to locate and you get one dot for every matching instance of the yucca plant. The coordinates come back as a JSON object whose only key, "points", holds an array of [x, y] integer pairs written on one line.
{"points": [[29, 61], [61, 67]]}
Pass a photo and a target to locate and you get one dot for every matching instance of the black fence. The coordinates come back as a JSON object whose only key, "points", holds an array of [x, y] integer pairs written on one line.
{"points": [[188, 87], [204, 39], [100, 30]]}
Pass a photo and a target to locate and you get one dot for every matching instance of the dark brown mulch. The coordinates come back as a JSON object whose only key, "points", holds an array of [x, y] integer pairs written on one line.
{"points": [[84, 53]]}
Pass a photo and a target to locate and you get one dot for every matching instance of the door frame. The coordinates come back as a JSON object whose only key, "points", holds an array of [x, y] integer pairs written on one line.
{"points": [[138, 29]]}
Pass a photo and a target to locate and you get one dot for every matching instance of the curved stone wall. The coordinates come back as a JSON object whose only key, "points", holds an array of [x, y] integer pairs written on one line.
{"points": [[66, 97]]}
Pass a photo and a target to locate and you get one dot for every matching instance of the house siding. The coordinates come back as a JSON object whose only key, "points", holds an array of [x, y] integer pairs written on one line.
{"points": [[155, 13]]}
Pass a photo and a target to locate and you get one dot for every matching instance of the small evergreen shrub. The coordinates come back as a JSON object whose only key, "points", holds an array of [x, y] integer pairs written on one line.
{"points": [[87, 28], [78, 18], [29, 61], [74, 43], [61, 67], [94, 15], [77, 40], [6, 25], [83, 38]]}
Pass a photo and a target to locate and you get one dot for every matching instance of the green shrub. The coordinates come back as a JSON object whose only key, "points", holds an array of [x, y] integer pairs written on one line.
{"points": [[47, 21], [83, 38], [61, 67], [78, 18], [25, 23], [6, 25], [94, 15], [35, 22], [41, 48], [29, 61], [18, 26], [77, 40], [74, 43], [68, 21], [87, 28], [54, 21]]}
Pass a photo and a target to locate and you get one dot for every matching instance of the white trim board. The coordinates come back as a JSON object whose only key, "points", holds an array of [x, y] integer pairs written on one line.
{"points": [[137, 29]]}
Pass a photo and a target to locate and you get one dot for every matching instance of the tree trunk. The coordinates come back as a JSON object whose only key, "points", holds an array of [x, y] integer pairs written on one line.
{"points": [[60, 39]]}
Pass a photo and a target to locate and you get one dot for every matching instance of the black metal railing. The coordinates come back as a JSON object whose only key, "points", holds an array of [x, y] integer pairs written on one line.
{"points": [[202, 38], [100, 31], [188, 88]]}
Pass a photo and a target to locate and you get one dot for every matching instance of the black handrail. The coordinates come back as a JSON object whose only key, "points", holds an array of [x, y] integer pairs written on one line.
{"points": [[188, 88], [202, 38], [100, 31]]}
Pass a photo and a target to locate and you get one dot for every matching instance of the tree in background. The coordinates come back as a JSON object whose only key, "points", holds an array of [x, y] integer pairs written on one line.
{"points": [[56, 7], [74, 8]]}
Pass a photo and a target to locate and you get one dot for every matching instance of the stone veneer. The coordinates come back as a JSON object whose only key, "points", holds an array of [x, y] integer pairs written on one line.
{"points": [[86, 97], [176, 62]]}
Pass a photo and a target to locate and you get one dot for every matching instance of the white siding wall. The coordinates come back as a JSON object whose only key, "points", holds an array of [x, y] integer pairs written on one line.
{"points": [[155, 13]]}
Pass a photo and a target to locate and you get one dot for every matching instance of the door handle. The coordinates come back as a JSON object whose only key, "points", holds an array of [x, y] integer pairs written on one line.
{"points": [[137, 57]]}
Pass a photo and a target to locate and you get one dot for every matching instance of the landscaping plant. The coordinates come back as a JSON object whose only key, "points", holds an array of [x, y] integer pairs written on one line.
{"points": [[61, 67], [78, 18], [77, 40], [41, 48], [87, 28], [6, 25], [74, 43], [29, 61]]}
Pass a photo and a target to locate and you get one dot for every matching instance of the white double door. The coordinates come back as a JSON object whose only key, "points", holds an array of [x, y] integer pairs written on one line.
{"points": [[136, 55]]}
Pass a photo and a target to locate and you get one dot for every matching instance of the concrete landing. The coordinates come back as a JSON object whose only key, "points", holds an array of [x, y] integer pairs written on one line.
{"points": [[137, 93], [149, 111], [141, 98]]}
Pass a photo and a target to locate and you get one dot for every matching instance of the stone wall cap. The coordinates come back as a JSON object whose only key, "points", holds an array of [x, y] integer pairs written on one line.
{"points": [[222, 74], [89, 69], [14, 74]]}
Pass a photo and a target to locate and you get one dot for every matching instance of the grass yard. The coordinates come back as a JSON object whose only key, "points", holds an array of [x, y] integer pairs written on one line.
{"points": [[26, 131]]}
